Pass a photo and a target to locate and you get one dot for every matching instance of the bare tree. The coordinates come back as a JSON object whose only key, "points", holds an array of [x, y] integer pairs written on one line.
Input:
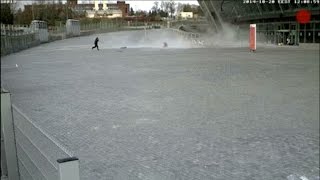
{"points": [[187, 8], [6, 14], [14, 5], [155, 7], [165, 6], [179, 7], [172, 7], [162, 5]]}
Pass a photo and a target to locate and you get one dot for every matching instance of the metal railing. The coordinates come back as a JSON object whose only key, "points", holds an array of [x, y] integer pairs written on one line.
{"points": [[31, 153], [110, 26], [15, 38], [193, 37]]}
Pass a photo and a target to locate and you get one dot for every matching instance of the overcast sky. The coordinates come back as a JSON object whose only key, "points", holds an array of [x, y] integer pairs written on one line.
{"points": [[136, 5]]}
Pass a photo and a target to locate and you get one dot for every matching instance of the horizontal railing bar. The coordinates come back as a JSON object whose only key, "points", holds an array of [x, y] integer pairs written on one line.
{"points": [[31, 160], [43, 132], [42, 153], [25, 167], [22, 163]]}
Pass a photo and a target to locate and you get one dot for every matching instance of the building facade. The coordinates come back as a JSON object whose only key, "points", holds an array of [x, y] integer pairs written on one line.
{"points": [[101, 8], [186, 15], [275, 19], [125, 8]]}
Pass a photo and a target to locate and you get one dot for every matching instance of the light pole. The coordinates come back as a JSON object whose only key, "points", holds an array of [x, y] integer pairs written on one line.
{"points": [[135, 8], [67, 10], [32, 11]]}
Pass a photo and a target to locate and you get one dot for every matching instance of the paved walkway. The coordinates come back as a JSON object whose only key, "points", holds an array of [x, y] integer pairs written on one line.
{"points": [[175, 113]]}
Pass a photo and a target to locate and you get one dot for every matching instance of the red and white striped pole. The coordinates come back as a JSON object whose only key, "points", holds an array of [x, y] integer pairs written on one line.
{"points": [[252, 37]]}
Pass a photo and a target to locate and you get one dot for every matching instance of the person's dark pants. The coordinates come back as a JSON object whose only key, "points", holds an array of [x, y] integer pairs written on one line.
{"points": [[95, 46]]}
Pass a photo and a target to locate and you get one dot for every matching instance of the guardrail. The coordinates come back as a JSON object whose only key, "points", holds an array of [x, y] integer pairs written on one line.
{"points": [[29, 151], [195, 38], [16, 38], [103, 27], [184, 34]]}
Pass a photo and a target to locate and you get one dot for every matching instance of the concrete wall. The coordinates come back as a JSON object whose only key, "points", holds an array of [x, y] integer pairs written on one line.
{"points": [[73, 27]]}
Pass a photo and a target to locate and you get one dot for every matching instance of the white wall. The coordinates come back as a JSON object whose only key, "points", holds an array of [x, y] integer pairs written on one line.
{"points": [[186, 15], [73, 27]]}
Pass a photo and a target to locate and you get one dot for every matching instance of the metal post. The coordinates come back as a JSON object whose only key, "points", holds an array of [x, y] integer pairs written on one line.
{"points": [[4, 169], [32, 11], [314, 33], [67, 10], [297, 34], [305, 34], [5, 38], [274, 35], [69, 168], [145, 32], [9, 140]]}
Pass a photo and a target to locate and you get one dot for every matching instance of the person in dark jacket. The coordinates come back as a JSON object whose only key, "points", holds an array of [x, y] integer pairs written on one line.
{"points": [[165, 44], [96, 44]]}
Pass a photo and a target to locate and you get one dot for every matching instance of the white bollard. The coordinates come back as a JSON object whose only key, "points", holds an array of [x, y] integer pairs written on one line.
{"points": [[69, 168], [7, 128]]}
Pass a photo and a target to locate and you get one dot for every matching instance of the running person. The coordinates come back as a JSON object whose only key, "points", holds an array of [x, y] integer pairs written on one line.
{"points": [[96, 44], [165, 44]]}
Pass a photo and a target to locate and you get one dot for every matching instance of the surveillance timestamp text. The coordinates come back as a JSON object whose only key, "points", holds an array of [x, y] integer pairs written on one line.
{"points": [[282, 1]]}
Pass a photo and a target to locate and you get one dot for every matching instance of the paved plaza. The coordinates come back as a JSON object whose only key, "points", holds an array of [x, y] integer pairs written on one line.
{"points": [[177, 113]]}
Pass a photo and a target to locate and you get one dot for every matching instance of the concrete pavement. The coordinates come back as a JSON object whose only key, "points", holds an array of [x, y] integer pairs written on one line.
{"points": [[177, 113]]}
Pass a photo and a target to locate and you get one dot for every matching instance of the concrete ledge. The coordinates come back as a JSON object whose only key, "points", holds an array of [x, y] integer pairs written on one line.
{"points": [[67, 159]]}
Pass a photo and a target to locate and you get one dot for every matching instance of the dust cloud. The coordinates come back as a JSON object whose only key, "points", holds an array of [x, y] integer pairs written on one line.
{"points": [[231, 36], [144, 39]]}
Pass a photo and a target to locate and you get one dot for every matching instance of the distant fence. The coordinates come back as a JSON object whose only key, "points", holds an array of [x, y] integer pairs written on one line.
{"points": [[193, 37], [29, 152], [178, 23], [16, 38], [101, 27], [184, 34], [110, 26]]}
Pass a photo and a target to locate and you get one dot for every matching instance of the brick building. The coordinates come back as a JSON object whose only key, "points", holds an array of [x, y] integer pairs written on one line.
{"points": [[104, 7], [125, 8]]}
